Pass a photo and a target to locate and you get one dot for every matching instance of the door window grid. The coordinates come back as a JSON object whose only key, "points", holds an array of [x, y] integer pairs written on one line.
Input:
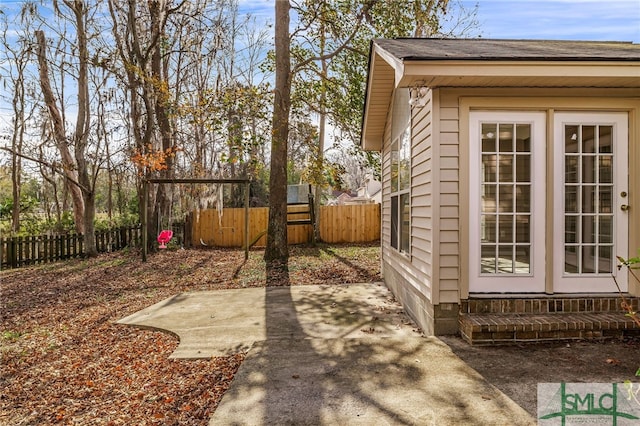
{"points": [[505, 221], [588, 201]]}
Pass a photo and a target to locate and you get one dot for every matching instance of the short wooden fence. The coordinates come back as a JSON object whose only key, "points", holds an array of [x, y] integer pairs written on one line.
{"points": [[338, 224], [20, 251]]}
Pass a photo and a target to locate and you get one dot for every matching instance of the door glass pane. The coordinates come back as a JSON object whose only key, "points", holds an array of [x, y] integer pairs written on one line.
{"points": [[505, 168], [505, 141], [588, 259], [488, 259], [571, 168], [588, 169], [588, 139], [605, 259], [523, 138], [489, 168], [506, 198], [505, 259], [570, 139], [523, 197], [523, 168], [588, 229], [605, 139], [605, 199], [589, 197], [571, 199], [505, 231], [522, 229], [489, 137], [488, 228], [606, 229], [605, 169], [489, 200], [523, 260], [571, 259], [571, 229]]}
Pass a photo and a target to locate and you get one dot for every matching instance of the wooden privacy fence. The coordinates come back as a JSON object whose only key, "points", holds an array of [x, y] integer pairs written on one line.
{"points": [[338, 224], [20, 251]]}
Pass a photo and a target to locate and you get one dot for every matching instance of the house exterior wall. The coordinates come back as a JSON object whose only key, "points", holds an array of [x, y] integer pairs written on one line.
{"points": [[411, 276], [550, 101], [434, 278]]}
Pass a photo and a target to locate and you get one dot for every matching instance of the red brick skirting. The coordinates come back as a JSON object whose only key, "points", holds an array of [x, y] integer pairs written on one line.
{"points": [[491, 321]]}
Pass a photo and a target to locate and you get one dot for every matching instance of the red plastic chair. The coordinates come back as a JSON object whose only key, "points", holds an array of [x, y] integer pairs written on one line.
{"points": [[164, 238]]}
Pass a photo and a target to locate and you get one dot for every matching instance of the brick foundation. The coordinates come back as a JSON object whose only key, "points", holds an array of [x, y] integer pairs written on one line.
{"points": [[501, 320]]}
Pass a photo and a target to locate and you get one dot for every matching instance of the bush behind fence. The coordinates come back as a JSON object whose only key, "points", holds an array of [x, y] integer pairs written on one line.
{"points": [[20, 251]]}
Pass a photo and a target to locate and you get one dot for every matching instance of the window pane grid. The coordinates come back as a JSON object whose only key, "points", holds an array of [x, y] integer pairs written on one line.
{"points": [[400, 189], [588, 200], [506, 192]]}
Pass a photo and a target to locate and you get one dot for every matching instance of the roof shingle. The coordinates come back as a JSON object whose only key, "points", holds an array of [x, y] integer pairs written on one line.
{"points": [[508, 50]]}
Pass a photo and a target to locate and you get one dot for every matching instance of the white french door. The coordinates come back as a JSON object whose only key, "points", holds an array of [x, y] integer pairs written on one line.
{"points": [[510, 185], [507, 201], [590, 198]]}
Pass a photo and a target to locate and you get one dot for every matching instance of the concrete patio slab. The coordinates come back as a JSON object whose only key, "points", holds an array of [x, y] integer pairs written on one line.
{"points": [[217, 323], [328, 355], [366, 381]]}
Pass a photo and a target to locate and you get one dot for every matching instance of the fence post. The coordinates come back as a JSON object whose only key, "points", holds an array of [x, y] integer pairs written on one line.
{"points": [[3, 251], [19, 249], [13, 256]]}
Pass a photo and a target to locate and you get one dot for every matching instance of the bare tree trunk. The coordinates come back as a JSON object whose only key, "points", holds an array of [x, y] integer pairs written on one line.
{"points": [[81, 134], [59, 133], [16, 147], [277, 249], [317, 189]]}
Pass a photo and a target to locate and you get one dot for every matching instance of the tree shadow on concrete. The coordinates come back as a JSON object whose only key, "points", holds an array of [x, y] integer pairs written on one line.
{"points": [[334, 359]]}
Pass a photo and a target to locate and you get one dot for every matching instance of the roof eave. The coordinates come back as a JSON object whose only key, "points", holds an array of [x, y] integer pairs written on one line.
{"points": [[605, 74], [384, 71]]}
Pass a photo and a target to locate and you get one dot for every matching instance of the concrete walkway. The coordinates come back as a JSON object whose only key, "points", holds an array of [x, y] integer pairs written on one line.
{"points": [[328, 355]]}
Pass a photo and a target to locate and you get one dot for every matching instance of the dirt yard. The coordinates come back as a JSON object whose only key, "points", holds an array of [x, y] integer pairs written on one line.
{"points": [[64, 361], [516, 370]]}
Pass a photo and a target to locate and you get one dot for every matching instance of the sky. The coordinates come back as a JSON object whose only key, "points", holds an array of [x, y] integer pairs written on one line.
{"points": [[612, 20]]}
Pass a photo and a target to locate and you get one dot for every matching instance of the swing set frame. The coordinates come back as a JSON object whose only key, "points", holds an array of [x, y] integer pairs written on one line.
{"points": [[145, 190]]}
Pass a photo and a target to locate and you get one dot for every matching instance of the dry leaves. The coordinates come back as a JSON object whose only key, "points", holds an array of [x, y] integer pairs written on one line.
{"points": [[65, 361]]}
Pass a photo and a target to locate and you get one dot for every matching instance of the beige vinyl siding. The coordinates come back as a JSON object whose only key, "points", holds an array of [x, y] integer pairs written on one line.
{"points": [[449, 213], [410, 276], [422, 195]]}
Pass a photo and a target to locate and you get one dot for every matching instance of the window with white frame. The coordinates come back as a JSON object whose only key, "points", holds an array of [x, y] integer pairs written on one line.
{"points": [[401, 173]]}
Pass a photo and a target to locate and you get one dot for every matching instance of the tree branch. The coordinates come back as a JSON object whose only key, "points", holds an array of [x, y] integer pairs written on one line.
{"points": [[344, 44], [53, 166]]}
